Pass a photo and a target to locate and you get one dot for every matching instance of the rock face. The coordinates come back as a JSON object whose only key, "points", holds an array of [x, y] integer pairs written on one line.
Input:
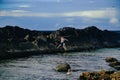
{"points": [[15, 40], [19, 42], [63, 67], [88, 38]]}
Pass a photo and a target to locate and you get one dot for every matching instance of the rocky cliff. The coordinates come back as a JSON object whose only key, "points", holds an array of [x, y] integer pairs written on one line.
{"points": [[88, 38], [16, 41]]}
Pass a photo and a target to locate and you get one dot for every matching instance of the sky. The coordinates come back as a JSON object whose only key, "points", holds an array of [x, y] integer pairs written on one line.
{"points": [[55, 14]]}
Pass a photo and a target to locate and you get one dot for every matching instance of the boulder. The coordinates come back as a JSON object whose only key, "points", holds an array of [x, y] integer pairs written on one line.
{"points": [[110, 59], [113, 62], [117, 67], [100, 75], [63, 67], [115, 76]]}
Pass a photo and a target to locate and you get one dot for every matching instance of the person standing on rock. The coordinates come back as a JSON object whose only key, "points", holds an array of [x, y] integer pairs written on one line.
{"points": [[62, 43]]}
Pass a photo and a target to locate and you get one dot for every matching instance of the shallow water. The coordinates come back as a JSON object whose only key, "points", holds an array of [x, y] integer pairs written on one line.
{"points": [[42, 67]]}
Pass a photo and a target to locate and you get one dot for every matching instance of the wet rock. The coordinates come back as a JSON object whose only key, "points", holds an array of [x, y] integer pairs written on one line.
{"points": [[101, 75], [117, 67], [115, 76], [89, 76], [110, 59], [113, 62], [63, 67]]}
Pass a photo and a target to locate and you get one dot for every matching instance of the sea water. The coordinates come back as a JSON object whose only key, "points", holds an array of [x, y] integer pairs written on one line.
{"points": [[42, 67]]}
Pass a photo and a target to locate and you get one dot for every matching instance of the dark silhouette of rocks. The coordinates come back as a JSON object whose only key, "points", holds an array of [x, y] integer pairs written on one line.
{"points": [[88, 38], [113, 62], [16, 41], [110, 59]]}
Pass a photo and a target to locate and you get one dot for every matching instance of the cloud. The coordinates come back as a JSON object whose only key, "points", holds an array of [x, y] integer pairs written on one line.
{"points": [[105, 13], [14, 13], [114, 20], [90, 14], [19, 11], [93, 13], [24, 6]]}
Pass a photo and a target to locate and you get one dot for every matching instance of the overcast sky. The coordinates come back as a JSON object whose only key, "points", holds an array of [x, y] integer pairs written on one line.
{"points": [[55, 14]]}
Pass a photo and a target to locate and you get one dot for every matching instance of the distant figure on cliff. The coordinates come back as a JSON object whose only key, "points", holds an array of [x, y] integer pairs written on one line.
{"points": [[62, 43]]}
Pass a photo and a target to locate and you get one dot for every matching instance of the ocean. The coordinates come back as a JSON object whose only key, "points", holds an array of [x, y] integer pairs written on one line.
{"points": [[42, 67]]}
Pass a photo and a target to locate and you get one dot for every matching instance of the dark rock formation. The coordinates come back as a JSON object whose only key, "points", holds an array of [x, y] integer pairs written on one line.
{"points": [[113, 62], [63, 67], [16, 40], [104, 75], [110, 59], [19, 42], [101, 75], [88, 38], [115, 76]]}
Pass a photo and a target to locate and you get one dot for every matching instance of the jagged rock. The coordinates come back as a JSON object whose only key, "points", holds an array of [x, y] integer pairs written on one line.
{"points": [[104, 75], [88, 38], [14, 38], [117, 67], [63, 67], [115, 76], [113, 62], [111, 59], [101, 75]]}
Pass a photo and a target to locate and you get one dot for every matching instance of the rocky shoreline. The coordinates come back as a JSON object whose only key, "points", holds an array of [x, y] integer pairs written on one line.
{"points": [[102, 74], [18, 42]]}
